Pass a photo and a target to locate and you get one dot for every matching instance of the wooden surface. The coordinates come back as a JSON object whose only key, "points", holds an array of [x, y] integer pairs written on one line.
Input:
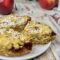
{"points": [[48, 55]]}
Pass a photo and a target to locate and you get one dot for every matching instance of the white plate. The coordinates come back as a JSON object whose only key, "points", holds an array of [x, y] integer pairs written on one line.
{"points": [[36, 51]]}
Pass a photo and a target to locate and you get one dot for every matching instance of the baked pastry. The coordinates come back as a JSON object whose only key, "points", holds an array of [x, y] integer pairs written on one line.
{"points": [[18, 33], [11, 27], [11, 45], [14, 21], [40, 33]]}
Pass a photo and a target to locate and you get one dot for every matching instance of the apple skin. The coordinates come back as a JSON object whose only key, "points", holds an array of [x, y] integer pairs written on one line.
{"points": [[6, 6], [48, 4]]}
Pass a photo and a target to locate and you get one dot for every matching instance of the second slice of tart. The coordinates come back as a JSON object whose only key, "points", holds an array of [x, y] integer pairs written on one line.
{"points": [[40, 33]]}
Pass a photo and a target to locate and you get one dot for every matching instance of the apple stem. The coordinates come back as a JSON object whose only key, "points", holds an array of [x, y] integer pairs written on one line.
{"points": [[16, 7]]}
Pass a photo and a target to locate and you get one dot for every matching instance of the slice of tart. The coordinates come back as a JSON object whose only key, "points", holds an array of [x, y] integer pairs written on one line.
{"points": [[11, 45], [40, 33]]}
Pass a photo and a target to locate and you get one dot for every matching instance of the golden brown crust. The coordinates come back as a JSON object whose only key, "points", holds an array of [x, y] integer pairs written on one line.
{"points": [[17, 52], [10, 53]]}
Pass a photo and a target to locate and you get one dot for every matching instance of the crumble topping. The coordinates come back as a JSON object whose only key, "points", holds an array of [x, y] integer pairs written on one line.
{"points": [[13, 21]]}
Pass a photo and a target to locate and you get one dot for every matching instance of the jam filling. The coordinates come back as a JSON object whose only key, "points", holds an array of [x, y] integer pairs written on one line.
{"points": [[28, 46], [53, 33]]}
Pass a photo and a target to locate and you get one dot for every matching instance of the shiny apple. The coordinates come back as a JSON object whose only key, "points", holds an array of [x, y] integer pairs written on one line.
{"points": [[48, 4], [6, 6]]}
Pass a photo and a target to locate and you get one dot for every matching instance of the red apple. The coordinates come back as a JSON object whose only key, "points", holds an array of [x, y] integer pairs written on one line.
{"points": [[48, 4], [6, 6]]}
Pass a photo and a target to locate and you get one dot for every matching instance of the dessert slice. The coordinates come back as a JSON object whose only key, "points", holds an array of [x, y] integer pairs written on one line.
{"points": [[40, 33], [14, 21], [11, 45]]}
